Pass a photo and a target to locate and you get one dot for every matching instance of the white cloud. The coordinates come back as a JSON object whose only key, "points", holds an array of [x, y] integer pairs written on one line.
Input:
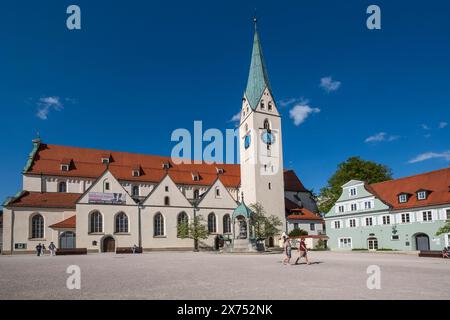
{"points": [[236, 117], [381, 136], [431, 155], [46, 104], [329, 85], [425, 127], [442, 124], [301, 111], [287, 102]]}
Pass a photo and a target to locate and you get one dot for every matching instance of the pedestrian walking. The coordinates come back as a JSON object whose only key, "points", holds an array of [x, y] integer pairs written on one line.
{"points": [[38, 249], [43, 250], [287, 250], [302, 251], [52, 248]]}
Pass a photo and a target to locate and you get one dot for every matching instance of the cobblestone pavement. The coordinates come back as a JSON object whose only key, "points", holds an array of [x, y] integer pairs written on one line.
{"points": [[188, 275]]}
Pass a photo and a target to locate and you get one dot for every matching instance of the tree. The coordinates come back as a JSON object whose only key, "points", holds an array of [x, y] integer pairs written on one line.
{"points": [[444, 229], [298, 232], [354, 168], [265, 226], [195, 230]]}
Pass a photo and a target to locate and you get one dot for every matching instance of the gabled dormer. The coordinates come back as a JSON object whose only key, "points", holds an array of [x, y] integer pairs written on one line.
{"points": [[66, 164], [106, 158], [136, 171], [195, 176]]}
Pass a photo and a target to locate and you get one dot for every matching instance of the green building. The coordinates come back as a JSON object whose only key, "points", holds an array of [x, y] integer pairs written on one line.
{"points": [[402, 214]]}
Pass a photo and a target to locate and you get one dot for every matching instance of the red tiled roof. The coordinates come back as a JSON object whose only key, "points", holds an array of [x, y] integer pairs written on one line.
{"points": [[303, 214], [292, 182], [46, 200], [69, 223], [87, 163], [437, 182]]}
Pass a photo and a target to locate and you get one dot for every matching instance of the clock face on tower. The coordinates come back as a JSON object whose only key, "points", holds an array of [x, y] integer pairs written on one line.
{"points": [[247, 141], [267, 137]]}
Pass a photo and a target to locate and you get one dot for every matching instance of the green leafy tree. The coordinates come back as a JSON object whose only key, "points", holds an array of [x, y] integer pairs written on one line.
{"points": [[354, 168], [298, 232], [265, 226], [444, 229], [195, 230]]}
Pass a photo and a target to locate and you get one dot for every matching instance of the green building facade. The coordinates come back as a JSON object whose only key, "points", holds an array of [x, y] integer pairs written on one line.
{"points": [[402, 214]]}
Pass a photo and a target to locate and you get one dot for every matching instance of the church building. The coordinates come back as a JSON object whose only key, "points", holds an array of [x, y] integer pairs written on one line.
{"points": [[102, 200]]}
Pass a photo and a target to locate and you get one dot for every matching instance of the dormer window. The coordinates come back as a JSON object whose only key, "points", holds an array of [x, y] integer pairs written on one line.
{"points": [[65, 164], [219, 170], [403, 198], [353, 192], [195, 176], [421, 195], [166, 165], [136, 172]]}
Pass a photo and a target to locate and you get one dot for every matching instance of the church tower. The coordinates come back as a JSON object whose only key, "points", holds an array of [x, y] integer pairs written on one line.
{"points": [[261, 148]]}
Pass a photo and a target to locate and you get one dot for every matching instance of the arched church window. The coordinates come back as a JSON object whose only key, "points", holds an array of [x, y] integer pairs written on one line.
{"points": [[166, 201], [135, 191], [226, 224], [270, 106], [266, 124], [96, 222], [158, 225], [62, 186], [181, 219], [37, 227], [262, 105], [121, 222], [212, 223], [196, 194]]}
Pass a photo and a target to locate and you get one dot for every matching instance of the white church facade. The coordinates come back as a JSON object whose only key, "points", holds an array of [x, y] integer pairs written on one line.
{"points": [[103, 200]]}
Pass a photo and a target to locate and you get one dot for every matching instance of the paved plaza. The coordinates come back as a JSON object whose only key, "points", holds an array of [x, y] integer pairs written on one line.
{"points": [[188, 275]]}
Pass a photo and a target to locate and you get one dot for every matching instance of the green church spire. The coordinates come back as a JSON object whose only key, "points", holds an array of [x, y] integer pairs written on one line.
{"points": [[258, 80]]}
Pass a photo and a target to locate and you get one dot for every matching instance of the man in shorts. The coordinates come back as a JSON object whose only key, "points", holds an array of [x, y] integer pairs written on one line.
{"points": [[303, 251]]}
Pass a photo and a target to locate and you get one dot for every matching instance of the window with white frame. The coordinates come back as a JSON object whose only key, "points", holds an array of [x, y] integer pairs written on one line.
{"points": [[369, 221], [395, 237], [295, 225], [158, 225], [354, 207], [403, 198], [37, 227], [427, 216], [212, 227], [341, 209], [64, 167], [135, 191], [353, 192], [337, 224], [312, 226], [448, 214], [121, 223], [352, 223], [421, 195], [405, 218], [386, 220], [345, 242], [368, 205]]}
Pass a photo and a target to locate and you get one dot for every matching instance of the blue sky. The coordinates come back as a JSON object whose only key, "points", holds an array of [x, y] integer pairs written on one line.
{"points": [[138, 70]]}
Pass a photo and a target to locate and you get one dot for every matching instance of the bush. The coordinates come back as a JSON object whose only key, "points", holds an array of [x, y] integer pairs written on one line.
{"points": [[360, 249], [297, 233]]}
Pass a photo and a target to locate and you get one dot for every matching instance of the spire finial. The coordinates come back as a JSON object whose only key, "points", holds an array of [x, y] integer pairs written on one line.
{"points": [[255, 20]]}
